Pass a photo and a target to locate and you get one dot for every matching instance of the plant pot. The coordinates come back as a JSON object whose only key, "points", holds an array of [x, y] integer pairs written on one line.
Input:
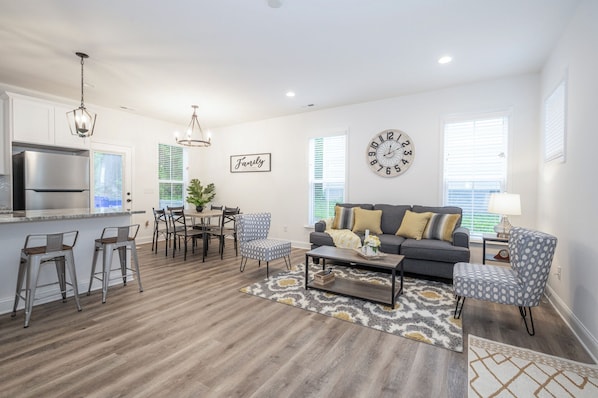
{"points": [[199, 209]]}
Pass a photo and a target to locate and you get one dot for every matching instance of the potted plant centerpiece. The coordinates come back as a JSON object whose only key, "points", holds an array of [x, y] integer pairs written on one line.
{"points": [[199, 195]]}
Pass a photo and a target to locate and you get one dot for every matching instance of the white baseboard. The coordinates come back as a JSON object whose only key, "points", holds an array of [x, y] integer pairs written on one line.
{"points": [[587, 340]]}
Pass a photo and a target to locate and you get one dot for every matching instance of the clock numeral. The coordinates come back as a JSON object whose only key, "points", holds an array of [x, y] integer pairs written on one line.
{"points": [[390, 135], [373, 162], [374, 144], [381, 167], [404, 144], [388, 171], [380, 138], [397, 168], [371, 153], [407, 153], [405, 161]]}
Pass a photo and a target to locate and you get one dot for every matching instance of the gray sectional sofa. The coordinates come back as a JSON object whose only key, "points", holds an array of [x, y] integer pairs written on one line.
{"points": [[429, 257]]}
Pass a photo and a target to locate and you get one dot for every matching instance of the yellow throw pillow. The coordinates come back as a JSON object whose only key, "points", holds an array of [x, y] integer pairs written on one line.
{"points": [[367, 219], [343, 217], [413, 224]]}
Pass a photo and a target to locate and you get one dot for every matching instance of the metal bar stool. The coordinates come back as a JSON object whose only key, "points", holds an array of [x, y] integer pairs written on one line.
{"points": [[115, 238], [40, 249]]}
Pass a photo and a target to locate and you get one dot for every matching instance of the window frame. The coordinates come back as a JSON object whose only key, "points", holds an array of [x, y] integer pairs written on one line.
{"points": [[312, 217], [554, 127], [183, 181], [500, 184]]}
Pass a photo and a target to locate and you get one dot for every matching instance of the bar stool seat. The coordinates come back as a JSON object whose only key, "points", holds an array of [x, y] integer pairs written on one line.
{"points": [[40, 249], [115, 238]]}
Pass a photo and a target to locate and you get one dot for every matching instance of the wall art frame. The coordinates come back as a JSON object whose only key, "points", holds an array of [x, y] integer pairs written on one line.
{"points": [[251, 163]]}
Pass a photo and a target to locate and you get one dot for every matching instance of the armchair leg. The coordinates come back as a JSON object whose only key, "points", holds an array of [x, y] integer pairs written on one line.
{"points": [[243, 263], [459, 308], [523, 312]]}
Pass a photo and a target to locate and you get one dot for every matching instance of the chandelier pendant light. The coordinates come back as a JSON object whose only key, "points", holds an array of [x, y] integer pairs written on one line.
{"points": [[194, 136], [81, 121]]}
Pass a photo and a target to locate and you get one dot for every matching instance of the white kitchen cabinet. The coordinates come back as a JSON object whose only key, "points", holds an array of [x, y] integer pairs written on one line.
{"points": [[4, 147], [40, 122]]}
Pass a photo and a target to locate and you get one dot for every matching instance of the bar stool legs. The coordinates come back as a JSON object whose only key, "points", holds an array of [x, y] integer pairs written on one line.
{"points": [[51, 249], [115, 238]]}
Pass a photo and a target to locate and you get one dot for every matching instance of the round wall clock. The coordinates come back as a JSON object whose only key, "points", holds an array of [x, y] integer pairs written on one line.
{"points": [[390, 153]]}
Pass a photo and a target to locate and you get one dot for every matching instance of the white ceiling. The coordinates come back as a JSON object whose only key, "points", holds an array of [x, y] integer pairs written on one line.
{"points": [[236, 59]]}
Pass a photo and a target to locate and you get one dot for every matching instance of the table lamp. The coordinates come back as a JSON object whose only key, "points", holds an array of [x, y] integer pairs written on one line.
{"points": [[505, 204]]}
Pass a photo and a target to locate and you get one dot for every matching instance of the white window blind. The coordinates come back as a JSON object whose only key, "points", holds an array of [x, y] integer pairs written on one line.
{"points": [[475, 165], [554, 124], [327, 164], [170, 175]]}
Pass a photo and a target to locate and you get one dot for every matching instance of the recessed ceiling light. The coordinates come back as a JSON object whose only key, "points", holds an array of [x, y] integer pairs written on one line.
{"points": [[445, 60], [290, 93]]}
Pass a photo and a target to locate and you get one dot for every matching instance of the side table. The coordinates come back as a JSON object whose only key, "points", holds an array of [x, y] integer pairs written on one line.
{"points": [[492, 239]]}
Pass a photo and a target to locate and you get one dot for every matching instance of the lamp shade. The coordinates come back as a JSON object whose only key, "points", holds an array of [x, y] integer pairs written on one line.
{"points": [[508, 204]]}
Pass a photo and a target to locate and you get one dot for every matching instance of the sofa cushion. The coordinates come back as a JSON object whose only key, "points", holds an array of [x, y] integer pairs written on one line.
{"points": [[343, 217], [367, 206], [440, 210], [441, 226], [392, 216], [413, 225], [434, 250], [390, 243], [367, 219]]}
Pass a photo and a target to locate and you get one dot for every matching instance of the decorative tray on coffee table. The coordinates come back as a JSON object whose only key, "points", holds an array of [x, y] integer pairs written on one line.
{"points": [[371, 256]]}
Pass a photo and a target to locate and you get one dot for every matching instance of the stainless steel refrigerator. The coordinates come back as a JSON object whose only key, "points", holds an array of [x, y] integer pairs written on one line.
{"points": [[43, 180]]}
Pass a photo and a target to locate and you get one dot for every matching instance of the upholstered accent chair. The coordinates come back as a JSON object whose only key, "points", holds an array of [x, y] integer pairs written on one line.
{"points": [[522, 284], [252, 234]]}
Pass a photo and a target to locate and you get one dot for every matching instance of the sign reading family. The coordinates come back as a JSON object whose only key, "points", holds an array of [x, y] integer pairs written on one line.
{"points": [[250, 163]]}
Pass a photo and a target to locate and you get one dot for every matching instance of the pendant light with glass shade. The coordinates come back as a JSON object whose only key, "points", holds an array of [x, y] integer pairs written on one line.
{"points": [[81, 121], [194, 135]]}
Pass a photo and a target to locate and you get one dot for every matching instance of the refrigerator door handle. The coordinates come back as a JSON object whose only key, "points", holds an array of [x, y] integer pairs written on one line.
{"points": [[58, 190]]}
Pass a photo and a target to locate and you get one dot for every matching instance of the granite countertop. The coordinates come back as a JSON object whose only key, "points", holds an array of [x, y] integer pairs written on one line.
{"points": [[63, 214]]}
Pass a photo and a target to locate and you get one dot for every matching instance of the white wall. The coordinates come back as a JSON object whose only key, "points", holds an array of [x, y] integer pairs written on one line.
{"points": [[284, 191], [568, 193]]}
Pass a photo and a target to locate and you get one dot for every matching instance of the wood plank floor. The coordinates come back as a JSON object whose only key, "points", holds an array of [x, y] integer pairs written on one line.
{"points": [[191, 333]]}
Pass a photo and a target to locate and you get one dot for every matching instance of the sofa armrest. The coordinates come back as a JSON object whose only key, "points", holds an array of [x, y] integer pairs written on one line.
{"points": [[320, 226], [461, 237]]}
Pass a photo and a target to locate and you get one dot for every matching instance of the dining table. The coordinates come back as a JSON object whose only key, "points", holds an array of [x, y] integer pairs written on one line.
{"points": [[201, 220]]}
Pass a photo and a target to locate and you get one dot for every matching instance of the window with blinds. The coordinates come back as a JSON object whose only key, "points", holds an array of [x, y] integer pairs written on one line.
{"points": [[170, 175], [475, 166], [554, 124], [327, 171]]}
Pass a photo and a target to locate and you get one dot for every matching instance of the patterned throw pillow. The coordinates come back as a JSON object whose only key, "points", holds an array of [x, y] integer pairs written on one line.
{"points": [[343, 218], [367, 219], [441, 226], [413, 224]]}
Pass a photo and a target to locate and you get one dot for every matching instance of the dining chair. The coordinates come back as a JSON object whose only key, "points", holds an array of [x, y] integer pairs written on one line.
{"points": [[183, 230], [161, 229]]}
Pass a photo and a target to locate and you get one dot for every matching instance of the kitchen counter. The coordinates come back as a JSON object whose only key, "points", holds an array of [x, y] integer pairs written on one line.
{"points": [[62, 214], [15, 226]]}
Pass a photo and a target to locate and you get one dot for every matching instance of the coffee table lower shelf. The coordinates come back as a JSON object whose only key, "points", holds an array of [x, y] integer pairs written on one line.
{"points": [[358, 289]]}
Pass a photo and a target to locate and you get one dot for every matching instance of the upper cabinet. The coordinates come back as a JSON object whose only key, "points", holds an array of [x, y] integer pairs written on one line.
{"points": [[34, 121], [5, 148]]}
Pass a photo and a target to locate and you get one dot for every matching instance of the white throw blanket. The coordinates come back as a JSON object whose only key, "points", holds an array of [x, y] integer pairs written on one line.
{"points": [[344, 238]]}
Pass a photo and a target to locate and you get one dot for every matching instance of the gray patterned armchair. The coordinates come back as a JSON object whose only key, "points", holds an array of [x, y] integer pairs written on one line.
{"points": [[252, 234], [522, 284]]}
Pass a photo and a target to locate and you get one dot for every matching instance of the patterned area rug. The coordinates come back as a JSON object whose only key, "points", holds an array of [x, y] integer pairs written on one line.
{"points": [[424, 311], [500, 370]]}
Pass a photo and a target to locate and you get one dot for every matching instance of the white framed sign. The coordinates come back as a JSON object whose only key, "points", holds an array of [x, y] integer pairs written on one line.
{"points": [[250, 163]]}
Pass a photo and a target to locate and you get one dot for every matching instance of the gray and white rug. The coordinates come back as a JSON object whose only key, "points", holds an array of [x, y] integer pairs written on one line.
{"points": [[424, 312]]}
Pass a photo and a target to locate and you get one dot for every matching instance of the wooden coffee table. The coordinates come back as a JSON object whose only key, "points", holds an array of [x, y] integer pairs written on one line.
{"points": [[389, 264]]}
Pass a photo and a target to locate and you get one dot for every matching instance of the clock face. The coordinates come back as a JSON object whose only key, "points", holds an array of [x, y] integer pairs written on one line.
{"points": [[390, 153]]}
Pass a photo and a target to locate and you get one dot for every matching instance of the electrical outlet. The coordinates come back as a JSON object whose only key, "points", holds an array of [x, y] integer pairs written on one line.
{"points": [[558, 272]]}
